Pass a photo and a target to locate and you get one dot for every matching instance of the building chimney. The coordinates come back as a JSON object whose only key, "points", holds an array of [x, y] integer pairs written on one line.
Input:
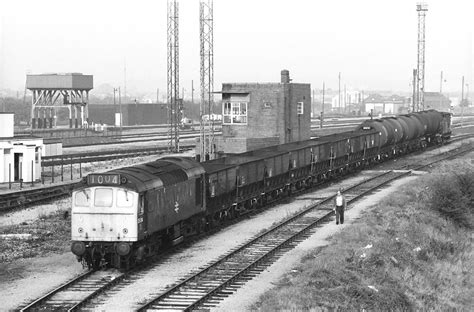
{"points": [[285, 76]]}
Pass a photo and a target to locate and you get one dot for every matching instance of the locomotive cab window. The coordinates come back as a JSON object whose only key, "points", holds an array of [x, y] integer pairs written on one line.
{"points": [[125, 198], [103, 197], [83, 198]]}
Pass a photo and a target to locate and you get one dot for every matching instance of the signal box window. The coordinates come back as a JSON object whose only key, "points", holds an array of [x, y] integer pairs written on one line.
{"points": [[103, 197], [299, 108], [235, 113]]}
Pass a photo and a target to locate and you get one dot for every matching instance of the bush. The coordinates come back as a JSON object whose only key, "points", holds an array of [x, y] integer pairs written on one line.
{"points": [[452, 195]]}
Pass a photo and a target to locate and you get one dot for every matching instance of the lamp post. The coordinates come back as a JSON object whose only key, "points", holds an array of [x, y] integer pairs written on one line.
{"points": [[120, 107], [322, 109], [467, 94], [441, 90], [115, 107], [120, 110]]}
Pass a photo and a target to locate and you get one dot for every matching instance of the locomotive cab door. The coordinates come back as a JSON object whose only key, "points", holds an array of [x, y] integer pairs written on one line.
{"points": [[199, 190], [142, 217]]}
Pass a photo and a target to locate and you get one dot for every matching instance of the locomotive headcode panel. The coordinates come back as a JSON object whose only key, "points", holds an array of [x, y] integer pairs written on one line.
{"points": [[103, 179]]}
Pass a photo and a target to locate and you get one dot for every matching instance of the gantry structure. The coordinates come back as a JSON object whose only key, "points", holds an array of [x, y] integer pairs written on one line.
{"points": [[175, 106], [206, 27], [419, 104]]}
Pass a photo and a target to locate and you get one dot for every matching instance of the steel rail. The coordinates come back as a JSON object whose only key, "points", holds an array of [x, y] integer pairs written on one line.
{"points": [[14, 200], [244, 273], [91, 287], [42, 299], [249, 244], [77, 158]]}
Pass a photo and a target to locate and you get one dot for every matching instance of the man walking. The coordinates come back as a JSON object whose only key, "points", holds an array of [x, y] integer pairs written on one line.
{"points": [[340, 203]]}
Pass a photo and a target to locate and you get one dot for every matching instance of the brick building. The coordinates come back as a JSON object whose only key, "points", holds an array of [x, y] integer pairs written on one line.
{"points": [[256, 115]]}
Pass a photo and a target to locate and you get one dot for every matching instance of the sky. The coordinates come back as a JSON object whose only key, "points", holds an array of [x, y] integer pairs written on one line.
{"points": [[373, 43]]}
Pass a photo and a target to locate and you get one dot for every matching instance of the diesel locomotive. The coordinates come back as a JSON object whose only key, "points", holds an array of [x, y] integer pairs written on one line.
{"points": [[124, 215]]}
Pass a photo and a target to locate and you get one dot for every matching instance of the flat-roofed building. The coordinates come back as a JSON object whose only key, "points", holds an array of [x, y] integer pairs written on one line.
{"points": [[256, 115], [20, 156]]}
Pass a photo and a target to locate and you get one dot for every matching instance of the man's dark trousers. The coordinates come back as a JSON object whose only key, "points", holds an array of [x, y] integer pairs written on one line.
{"points": [[339, 214]]}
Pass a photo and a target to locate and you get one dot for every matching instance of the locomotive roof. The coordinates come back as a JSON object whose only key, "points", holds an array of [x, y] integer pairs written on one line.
{"points": [[161, 172]]}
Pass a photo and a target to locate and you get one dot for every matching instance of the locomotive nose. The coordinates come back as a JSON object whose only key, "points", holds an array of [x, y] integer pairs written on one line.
{"points": [[78, 248]]}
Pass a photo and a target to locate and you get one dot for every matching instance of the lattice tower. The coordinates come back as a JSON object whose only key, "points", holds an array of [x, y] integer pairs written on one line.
{"points": [[174, 101], [206, 27], [421, 8]]}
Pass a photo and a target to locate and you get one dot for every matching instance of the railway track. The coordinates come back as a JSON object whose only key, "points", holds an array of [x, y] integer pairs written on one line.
{"points": [[22, 199], [77, 158], [209, 286], [131, 138], [206, 288], [71, 295], [315, 131], [329, 127]]}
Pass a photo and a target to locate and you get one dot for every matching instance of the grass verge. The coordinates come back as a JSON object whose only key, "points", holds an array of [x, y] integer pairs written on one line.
{"points": [[49, 234], [411, 252]]}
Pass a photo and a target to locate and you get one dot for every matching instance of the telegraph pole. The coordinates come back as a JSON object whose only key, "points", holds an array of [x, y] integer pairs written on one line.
{"points": [[345, 98], [124, 79], [339, 104], [192, 92], [322, 110], [120, 109]]}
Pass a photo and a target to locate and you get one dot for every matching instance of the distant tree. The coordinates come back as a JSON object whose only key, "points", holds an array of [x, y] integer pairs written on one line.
{"points": [[14, 105]]}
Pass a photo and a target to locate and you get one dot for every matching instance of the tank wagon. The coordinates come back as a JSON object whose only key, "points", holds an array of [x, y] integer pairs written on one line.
{"points": [[125, 215]]}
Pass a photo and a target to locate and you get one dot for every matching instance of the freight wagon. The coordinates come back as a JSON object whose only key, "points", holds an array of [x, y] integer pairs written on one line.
{"points": [[124, 215]]}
